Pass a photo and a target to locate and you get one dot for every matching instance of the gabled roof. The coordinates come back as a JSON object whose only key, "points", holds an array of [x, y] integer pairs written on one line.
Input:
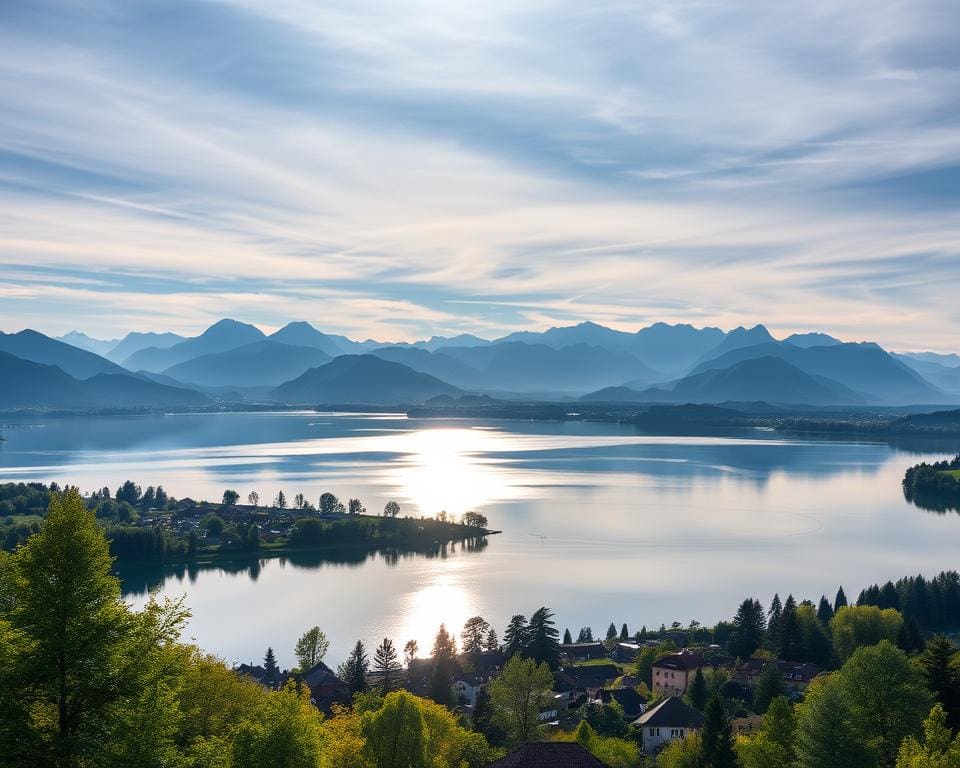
{"points": [[685, 660], [548, 754], [628, 698], [320, 674], [670, 713]]}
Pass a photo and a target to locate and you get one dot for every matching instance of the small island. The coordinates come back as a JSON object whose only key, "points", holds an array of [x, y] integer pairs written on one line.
{"points": [[150, 525], [934, 486]]}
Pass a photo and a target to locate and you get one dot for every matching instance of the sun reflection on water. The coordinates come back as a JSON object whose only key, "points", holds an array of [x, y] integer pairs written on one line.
{"points": [[443, 469], [443, 598]]}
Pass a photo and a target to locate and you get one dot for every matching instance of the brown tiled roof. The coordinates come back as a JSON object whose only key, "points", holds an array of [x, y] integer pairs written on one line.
{"points": [[548, 754]]}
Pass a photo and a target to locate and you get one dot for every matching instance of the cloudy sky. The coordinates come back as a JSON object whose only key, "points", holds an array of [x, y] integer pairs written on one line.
{"points": [[398, 169]]}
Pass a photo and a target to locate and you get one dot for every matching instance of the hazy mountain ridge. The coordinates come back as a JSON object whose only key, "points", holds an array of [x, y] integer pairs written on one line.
{"points": [[34, 346], [362, 379], [27, 384], [219, 337], [262, 363]]}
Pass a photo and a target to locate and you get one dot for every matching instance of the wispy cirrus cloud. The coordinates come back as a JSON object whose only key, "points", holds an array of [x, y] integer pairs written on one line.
{"points": [[398, 169]]}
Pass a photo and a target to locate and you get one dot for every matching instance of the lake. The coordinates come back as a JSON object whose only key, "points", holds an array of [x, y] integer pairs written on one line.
{"points": [[599, 522]]}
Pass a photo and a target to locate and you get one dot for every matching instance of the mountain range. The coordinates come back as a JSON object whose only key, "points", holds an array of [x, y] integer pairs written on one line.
{"points": [[299, 364]]}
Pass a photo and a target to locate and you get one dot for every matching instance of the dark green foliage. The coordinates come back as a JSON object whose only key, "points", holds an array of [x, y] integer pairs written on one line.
{"points": [[484, 722], [624, 632], [567, 639], [773, 622], [444, 658], [698, 691], [605, 719], [934, 603], [716, 744], [840, 600], [612, 631], [748, 630], [544, 639], [271, 671], [585, 635], [769, 686], [515, 636], [789, 640], [824, 611], [230, 497], [387, 663], [931, 485], [942, 676], [353, 671]]}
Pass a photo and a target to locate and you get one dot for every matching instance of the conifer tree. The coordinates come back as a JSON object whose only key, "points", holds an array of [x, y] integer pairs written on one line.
{"points": [[840, 601], [612, 631], [387, 664], [749, 626], [353, 671], [773, 622], [271, 671], [789, 640], [567, 638], [624, 632], [942, 676], [824, 611], [716, 745], [698, 691], [515, 636], [544, 639], [444, 657], [492, 642]]}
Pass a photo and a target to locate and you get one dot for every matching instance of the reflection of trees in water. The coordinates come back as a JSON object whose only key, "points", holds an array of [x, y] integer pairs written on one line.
{"points": [[139, 579], [931, 502]]}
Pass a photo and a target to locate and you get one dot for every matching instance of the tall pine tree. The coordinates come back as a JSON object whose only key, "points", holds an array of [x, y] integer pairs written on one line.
{"points": [[515, 636], [271, 671], [716, 742], [544, 638], [387, 664], [353, 671]]}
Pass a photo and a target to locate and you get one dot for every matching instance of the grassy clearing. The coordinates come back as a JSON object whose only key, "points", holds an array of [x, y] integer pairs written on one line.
{"points": [[954, 473]]}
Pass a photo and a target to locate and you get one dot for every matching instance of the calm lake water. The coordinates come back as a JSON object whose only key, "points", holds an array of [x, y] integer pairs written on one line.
{"points": [[600, 523]]}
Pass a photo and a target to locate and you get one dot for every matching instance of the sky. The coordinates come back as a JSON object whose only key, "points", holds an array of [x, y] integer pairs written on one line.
{"points": [[399, 169]]}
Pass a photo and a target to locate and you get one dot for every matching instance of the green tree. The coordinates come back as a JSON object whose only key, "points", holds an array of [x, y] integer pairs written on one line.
{"points": [[230, 497], [395, 734], [484, 720], [567, 637], [886, 696], [387, 664], [697, 693], [716, 738], [391, 509], [857, 625], [253, 498], [284, 734], [938, 663], [749, 626], [840, 601], [773, 622], [353, 671], [780, 727], [213, 525], [789, 642], [769, 686], [938, 750], [826, 737], [815, 643], [824, 611], [271, 671], [612, 631], [410, 650], [355, 507], [330, 505], [515, 636], [492, 643], [280, 501], [544, 639], [682, 753], [517, 693], [444, 658], [474, 634], [311, 648]]}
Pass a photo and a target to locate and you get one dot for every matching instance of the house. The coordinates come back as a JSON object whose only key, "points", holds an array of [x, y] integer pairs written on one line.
{"points": [[591, 675], [625, 652], [672, 674], [326, 689], [583, 651], [667, 721], [796, 675], [632, 703], [548, 754], [467, 686]]}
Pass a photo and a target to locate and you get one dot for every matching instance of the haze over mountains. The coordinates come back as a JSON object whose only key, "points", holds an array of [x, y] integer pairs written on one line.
{"points": [[300, 364]]}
